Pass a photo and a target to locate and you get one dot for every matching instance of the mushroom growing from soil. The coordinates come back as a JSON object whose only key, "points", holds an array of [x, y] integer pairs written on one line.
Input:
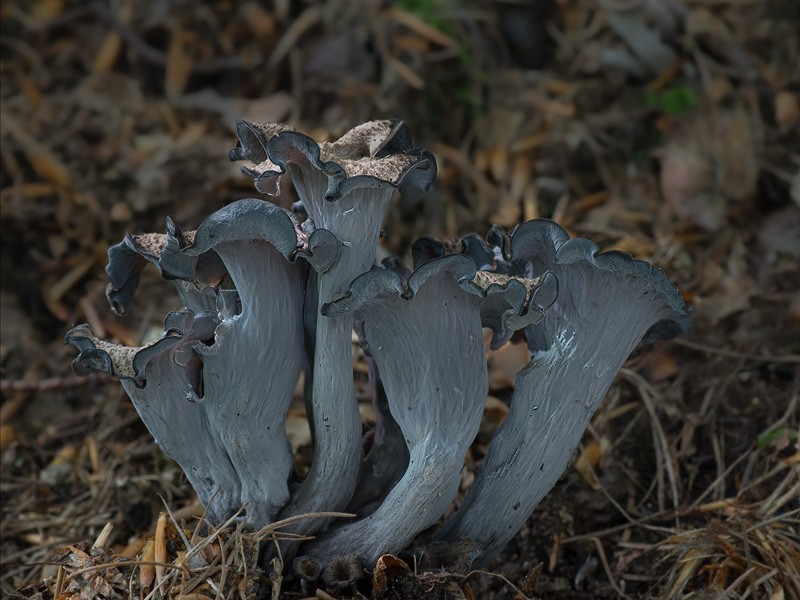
{"points": [[344, 188], [607, 303], [424, 334], [243, 368], [163, 404], [268, 295]]}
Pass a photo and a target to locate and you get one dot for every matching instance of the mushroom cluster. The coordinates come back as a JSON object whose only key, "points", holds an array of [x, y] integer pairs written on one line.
{"points": [[269, 293]]}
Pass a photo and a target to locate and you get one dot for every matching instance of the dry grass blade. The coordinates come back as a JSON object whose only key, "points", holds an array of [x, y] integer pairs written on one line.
{"points": [[500, 577], [421, 27], [790, 359], [304, 22], [667, 462], [728, 549], [274, 528], [599, 546]]}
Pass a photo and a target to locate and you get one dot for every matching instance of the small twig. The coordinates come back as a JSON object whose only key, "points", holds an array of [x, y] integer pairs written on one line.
{"points": [[780, 517], [53, 383], [779, 496], [748, 557], [713, 485], [735, 584], [60, 581], [629, 518], [647, 394], [499, 576], [607, 568], [102, 539], [273, 528], [787, 414], [791, 358], [116, 564], [178, 527], [213, 536]]}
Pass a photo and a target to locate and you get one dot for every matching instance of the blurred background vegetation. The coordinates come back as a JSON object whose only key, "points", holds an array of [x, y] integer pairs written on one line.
{"points": [[664, 128]]}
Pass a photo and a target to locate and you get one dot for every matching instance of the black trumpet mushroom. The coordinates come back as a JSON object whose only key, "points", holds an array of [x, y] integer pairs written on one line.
{"points": [[607, 303], [344, 188], [424, 334], [242, 364], [269, 293]]}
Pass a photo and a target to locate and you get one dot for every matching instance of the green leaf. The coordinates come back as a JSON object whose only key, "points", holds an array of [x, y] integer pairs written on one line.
{"points": [[766, 439], [674, 101]]}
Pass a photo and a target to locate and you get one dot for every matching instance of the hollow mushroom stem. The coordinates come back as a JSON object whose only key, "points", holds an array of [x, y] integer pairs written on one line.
{"points": [[164, 393], [387, 458], [334, 414], [344, 188], [436, 391], [251, 369], [427, 344], [607, 304]]}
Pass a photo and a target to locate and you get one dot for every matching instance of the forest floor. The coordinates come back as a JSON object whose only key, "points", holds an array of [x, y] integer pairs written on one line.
{"points": [[664, 128]]}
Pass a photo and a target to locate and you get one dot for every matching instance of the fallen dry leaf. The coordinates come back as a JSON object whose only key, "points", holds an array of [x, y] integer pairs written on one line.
{"points": [[710, 161], [787, 110]]}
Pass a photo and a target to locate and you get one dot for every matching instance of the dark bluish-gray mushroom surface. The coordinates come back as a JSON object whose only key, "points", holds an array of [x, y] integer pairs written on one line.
{"points": [[607, 303], [242, 371], [214, 390], [192, 275], [251, 369], [164, 393], [426, 339], [344, 188], [387, 458]]}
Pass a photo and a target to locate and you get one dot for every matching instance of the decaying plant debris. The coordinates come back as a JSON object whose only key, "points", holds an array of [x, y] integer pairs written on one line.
{"points": [[686, 480]]}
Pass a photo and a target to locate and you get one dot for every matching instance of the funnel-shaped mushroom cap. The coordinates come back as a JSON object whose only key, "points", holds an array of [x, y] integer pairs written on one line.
{"points": [[344, 186], [127, 259], [343, 574], [241, 372], [425, 337], [607, 303], [523, 299], [253, 219], [377, 154], [511, 302], [159, 381], [425, 248], [598, 287]]}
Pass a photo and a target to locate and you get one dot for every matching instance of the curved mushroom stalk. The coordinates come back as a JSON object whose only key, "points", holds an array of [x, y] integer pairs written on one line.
{"points": [[506, 303], [345, 188], [241, 371], [251, 369], [607, 304], [427, 344], [387, 458], [429, 352], [164, 392]]}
